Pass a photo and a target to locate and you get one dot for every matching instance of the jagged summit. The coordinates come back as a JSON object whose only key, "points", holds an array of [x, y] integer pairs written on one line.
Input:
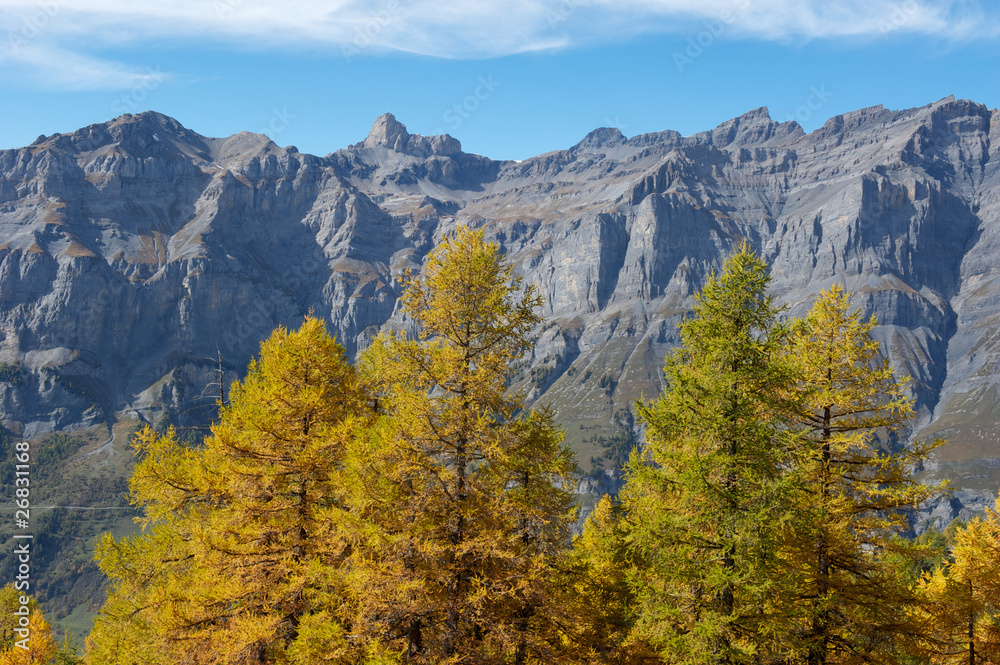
{"points": [[138, 135], [135, 252], [148, 117], [390, 134], [151, 133], [761, 114], [755, 127], [387, 132], [148, 124], [602, 137]]}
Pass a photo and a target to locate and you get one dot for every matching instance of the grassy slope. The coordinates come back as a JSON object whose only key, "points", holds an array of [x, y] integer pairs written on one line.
{"points": [[78, 487]]}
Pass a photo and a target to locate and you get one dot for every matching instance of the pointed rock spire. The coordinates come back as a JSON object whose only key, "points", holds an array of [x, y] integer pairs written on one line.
{"points": [[387, 132]]}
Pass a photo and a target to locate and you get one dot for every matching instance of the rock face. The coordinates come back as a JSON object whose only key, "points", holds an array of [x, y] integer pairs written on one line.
{"points": [[134, 253]]}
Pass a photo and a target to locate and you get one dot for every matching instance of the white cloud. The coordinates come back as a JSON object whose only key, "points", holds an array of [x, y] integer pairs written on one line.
{"points": [[819, 19], [34, 64], [52, 42]]}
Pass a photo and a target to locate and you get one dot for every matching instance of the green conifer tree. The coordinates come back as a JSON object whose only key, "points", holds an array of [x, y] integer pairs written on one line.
{"points": [[706, 501]]}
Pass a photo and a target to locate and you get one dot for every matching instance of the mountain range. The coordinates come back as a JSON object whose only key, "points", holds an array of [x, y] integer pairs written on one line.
{"points": [[141, 261]]}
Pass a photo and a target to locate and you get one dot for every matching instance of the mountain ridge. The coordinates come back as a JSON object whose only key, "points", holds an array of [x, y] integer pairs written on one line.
{"points": [[133, 250], [141, 261]]}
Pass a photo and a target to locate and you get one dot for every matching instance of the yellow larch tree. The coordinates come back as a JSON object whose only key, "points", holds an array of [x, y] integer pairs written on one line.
{"points": [[852, 600], [963, 597], [31, 643], [466, 493], [595, 604], [243, 539]]}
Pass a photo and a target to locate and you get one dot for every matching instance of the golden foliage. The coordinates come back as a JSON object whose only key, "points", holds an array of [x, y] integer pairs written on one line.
{"points": [[412, 509], [242, 539], [842, 555], [962, 612], [463, 497]]}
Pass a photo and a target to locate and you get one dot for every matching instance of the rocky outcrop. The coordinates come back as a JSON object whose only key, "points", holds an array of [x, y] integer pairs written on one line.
{"points": [[389, 133], [135, 253]]}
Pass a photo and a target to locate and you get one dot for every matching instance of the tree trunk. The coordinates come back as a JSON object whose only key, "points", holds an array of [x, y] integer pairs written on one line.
{"points": [[453, 618], [415, 639], [972, 631], [819, 637]]}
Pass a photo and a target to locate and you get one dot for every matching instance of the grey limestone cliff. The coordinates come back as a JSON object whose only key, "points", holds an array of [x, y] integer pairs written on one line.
{"points": [[135, 253]]}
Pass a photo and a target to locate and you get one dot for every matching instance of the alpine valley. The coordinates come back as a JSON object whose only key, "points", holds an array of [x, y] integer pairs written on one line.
{"points": [[141, 261]]}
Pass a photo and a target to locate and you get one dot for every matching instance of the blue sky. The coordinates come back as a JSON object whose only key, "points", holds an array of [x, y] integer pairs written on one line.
{"points": [[510, 80]]}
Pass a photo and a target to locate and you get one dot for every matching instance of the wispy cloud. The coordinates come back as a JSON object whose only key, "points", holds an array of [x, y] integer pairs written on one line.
{"points": [[52, 42], [41, 65], [821, 19]]}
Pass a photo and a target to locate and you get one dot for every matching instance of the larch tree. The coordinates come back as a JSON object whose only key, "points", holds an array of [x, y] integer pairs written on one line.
{"points": [[243, 539], [25, 635], [39, 648], [595, 603], [852, 601], [963, 609], [706, 500], [465, 493]]}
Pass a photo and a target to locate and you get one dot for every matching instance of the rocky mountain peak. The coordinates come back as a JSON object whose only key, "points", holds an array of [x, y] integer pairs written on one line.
{"points": [[140, 135], [760, 115], [134, 253], [389, 133], [146, 124], [133, 250], [753, 127], [144, 133], [602, 137]]}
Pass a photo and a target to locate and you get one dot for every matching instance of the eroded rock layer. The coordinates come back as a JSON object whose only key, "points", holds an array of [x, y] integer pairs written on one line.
{"points": [[134, 254]]}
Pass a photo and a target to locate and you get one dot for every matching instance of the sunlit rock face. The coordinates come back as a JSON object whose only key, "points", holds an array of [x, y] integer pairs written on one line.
{"points": [[134, 254]]}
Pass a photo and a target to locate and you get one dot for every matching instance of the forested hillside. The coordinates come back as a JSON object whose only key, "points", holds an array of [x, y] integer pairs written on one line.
{"points": [[408, 508], [141, 265]]}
